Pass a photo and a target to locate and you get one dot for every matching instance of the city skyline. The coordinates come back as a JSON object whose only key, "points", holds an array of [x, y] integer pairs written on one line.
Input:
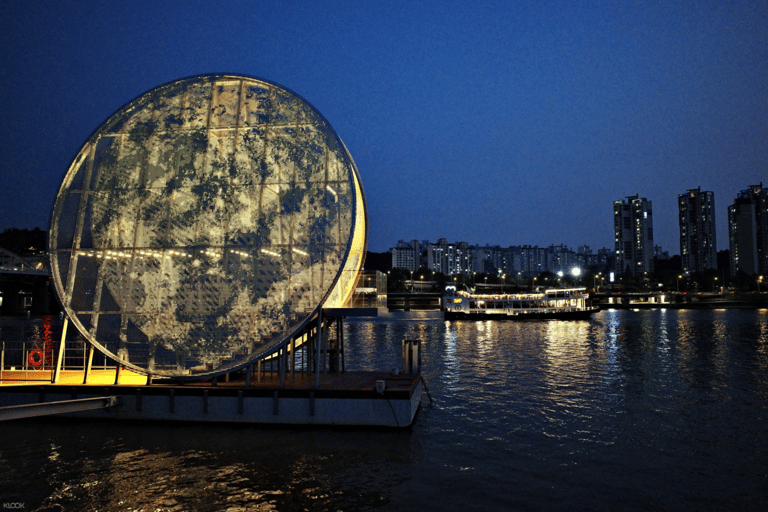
{"points": [[674, 249], [485, 122], [461, 258]]}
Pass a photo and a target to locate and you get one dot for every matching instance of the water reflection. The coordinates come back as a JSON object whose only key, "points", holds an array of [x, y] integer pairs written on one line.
{"points": [[450, 360], [638, 410], [151, 467]]}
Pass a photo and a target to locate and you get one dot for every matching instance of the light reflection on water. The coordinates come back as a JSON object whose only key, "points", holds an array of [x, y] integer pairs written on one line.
{"points": [[632, 410]]}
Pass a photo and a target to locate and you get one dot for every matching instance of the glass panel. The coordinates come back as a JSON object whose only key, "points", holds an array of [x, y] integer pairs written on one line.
{"points": [[226, 101]]}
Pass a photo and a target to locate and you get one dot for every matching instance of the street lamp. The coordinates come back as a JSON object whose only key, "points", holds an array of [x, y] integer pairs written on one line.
{"points": [[714, 282], [759, 280], [503, 278], [678, 283]]}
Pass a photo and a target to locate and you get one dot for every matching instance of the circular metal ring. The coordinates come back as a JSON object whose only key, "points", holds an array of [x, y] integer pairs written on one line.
{"points": [[205, 223]]}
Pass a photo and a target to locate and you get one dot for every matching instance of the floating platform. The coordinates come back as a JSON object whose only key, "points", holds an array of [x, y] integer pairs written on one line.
{"points": [[365, 399]]}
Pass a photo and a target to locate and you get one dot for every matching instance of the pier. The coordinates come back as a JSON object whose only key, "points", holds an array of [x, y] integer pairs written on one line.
{"points": [[363, 399], [301, 385]]}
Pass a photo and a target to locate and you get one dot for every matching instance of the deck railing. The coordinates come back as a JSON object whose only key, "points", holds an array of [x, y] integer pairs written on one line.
{"points": [[26, 361]]}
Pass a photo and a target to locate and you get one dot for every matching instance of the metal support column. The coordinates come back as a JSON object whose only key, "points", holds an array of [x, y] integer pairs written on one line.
{"points": [[60, 355], [341, 342], [318, 346], [311, 349], [88, 362], [325, 346]]}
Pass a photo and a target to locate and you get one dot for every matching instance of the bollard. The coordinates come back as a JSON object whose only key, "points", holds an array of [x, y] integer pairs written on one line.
{"points": [[411, 356]]}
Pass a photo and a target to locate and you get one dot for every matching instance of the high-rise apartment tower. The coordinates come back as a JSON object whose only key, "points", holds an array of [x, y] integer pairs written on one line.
{"points": [[748, 231], [633, 229], [698, 242]]}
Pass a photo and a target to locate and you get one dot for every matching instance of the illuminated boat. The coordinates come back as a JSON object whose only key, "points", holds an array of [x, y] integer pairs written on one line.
{"points": [[556, 303]]}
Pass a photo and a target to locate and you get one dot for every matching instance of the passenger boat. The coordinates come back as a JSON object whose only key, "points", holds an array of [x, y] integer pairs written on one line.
{"points": [[555, 303]]}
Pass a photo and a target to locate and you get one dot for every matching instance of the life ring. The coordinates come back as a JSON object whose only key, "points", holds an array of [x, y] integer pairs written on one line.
{"points": [[35, 358]]}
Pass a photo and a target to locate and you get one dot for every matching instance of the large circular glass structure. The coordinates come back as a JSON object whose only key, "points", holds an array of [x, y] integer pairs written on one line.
{"points": [[204, 224]]}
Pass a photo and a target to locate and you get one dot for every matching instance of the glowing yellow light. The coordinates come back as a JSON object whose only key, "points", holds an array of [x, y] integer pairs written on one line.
{"points": [[271, 253], [345, 285]]}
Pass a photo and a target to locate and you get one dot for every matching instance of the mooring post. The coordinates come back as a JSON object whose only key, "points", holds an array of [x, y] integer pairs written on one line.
{"points": [[411, 356]]}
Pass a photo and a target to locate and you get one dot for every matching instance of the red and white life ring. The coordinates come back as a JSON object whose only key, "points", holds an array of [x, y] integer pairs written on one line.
{"points": [[35, 358]]}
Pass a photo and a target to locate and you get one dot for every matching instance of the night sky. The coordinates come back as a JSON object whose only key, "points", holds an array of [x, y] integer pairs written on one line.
{"points": [[504, 123]]}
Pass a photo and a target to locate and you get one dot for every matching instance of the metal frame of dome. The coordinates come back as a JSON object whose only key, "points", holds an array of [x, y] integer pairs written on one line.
{"points": [[206, 223]]}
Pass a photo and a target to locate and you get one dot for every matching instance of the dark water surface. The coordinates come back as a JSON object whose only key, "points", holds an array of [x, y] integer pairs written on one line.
{"points": [[632, 410]]}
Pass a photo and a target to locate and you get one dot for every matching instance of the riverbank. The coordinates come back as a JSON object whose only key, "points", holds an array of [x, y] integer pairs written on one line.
{"points": [[674, 300]]}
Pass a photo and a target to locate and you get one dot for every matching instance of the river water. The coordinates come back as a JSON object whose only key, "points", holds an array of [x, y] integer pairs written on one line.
{"points": [[631, 410]]}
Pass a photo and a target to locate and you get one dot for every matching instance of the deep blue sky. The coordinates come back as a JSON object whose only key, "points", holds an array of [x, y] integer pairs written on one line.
{"points": [[509, 122]]}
